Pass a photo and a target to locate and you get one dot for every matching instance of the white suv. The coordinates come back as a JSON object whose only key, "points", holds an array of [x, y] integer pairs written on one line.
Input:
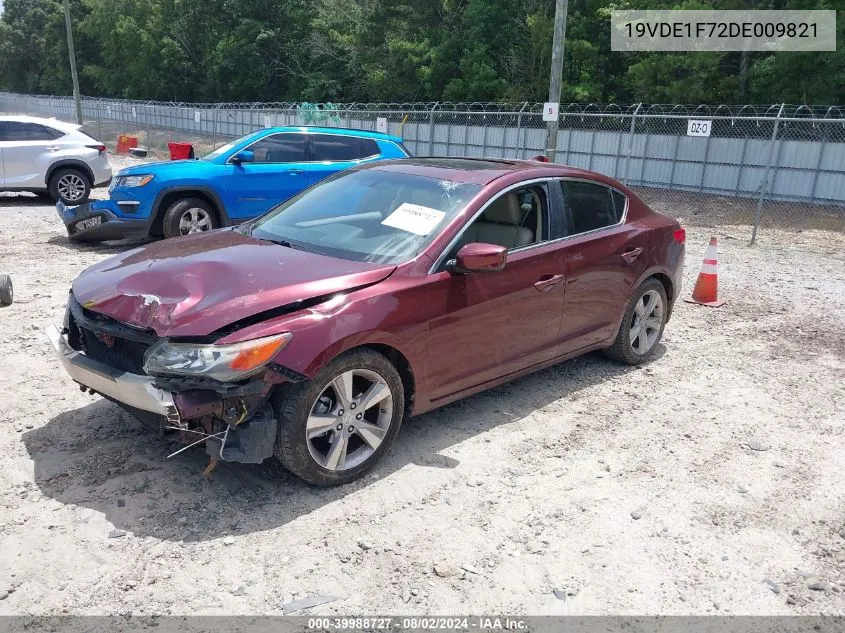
{"points": [[50, 157]]}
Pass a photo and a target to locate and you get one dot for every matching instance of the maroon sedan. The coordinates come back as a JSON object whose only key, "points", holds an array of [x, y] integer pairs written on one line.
{"points": [[385, 291]]}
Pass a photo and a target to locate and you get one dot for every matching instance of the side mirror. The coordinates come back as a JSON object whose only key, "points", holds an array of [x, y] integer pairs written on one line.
{"points": [[245, 156], [479, 258]]}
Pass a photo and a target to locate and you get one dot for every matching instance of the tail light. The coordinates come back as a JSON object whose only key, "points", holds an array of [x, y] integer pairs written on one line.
{"points": [[100, 148], [680, 236]]}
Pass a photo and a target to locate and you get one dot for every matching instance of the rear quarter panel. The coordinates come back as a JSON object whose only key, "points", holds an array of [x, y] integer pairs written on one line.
{"points": [[666, 256]]}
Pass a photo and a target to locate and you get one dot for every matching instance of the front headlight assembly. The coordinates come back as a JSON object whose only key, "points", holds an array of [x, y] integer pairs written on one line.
{"points": [[132, 181], [220, 362]]}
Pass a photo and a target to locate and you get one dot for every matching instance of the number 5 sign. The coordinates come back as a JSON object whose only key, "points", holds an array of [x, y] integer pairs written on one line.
{"points": [[550, 111]]}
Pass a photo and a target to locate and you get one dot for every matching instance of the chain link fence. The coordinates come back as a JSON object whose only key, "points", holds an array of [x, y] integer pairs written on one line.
{"points": [[757, 167]]}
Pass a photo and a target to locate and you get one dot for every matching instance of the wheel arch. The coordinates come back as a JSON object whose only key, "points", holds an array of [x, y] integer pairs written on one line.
{"points": [[668, 285], [400, 356], [167, 197], [70, 163], [660, 275], [402, 365]]}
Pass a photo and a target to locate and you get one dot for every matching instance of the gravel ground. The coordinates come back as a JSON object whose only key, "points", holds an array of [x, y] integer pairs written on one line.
{"points": [[708, 481]]}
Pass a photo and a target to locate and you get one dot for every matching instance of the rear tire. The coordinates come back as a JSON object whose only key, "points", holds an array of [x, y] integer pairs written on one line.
{"points": [[310, 453], [69, 185], [7, 294], [189, 215], [642, 326]]}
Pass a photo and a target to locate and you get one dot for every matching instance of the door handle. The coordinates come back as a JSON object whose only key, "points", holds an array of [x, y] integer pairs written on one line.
{"points": [[631, 255], [547, 282], [295, 172], [52, 148]]}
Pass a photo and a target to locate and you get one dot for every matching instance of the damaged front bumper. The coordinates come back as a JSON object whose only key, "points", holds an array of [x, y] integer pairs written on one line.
{"points": [[131, 389], [101, 220], [238, 427]]}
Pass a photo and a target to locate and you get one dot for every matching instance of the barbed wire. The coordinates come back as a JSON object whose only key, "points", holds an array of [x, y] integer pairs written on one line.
{"points": [[806, 111]]}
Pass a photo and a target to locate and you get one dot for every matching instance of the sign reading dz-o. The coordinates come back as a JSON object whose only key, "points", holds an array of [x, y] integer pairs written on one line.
{"points": [[698, 128]]}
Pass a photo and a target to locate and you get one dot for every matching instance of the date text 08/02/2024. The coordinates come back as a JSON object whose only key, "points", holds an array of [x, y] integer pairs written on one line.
{"points": [[414, 623]]}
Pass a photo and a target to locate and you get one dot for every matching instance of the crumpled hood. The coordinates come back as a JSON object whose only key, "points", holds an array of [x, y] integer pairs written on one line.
{"points": [[194, 285]]}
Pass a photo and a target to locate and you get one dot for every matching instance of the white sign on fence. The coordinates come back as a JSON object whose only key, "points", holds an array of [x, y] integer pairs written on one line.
{"points": [[196, 116], [550, 111], [698, 128], [381, 125], [268, 121], [134, 114]]}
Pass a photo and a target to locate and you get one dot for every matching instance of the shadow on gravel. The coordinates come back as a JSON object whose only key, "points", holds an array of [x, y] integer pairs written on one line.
{"points": [[100, 457], [24, 200], [105, 248]]}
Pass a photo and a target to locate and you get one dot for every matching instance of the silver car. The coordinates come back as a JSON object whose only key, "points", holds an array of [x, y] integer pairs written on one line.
{"points": [[51, 158]]}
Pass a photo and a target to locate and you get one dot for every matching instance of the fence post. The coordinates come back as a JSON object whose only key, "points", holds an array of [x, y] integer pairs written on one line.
{"points": [[518, 146], [214, 129], [431, 128], [764, 186], [630, 142], [820, 159]]}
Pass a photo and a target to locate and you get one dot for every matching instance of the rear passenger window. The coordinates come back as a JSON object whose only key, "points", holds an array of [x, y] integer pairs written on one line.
{"points": [[591, 206], [619, 201], [335, 148], [17, 131]]}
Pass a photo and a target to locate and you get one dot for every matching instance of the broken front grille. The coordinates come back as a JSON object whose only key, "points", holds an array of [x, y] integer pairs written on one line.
{"points": [[106, 340], [113, 351]]}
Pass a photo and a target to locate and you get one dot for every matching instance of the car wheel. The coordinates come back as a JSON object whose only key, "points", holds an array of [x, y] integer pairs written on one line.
{"points": [[334, 428], [71, 186], [642, 326], [188, 215], [7, 294]]}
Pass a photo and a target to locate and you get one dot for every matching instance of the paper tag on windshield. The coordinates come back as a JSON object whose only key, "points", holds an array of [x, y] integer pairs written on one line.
{"points": [[414, 218]]}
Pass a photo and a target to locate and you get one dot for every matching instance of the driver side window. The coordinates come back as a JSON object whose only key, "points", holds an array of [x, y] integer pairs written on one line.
{"points": [[514, 219]]}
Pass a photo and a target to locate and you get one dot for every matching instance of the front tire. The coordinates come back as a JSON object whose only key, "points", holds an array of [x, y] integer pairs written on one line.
{"points": [[334, 428], [642, 326], [187, 216], [69, 185]]}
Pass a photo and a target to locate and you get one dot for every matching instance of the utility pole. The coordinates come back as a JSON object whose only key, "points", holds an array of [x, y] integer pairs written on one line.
{"points": [[72, 53], [556, 74]]}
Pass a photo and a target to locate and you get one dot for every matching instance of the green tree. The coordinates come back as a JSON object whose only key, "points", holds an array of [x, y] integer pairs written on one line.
{"points": [[388, 50]]}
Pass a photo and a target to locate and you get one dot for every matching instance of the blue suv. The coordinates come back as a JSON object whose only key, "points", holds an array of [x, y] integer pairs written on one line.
{"points": [[236, 182]]}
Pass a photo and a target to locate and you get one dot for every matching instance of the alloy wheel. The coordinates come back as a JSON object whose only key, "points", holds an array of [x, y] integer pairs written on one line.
{"points": [[194, 220], [71, 187], [349, 419], [646, 322]]}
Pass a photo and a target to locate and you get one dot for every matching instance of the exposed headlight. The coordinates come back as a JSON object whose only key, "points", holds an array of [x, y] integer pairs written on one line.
{"points": [[221, 362], [132, 181]]}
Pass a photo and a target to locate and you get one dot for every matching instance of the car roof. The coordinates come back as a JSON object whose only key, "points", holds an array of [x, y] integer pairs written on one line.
{"points": [[338, 131], [482, 171], [52, 122]]}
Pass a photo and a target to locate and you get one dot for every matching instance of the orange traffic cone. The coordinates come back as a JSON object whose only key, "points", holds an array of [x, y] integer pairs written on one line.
{"points": [[706, 291]]}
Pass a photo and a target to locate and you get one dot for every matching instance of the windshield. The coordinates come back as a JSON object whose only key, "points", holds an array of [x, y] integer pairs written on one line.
{"points": [[221, 150], [368, 215]]}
